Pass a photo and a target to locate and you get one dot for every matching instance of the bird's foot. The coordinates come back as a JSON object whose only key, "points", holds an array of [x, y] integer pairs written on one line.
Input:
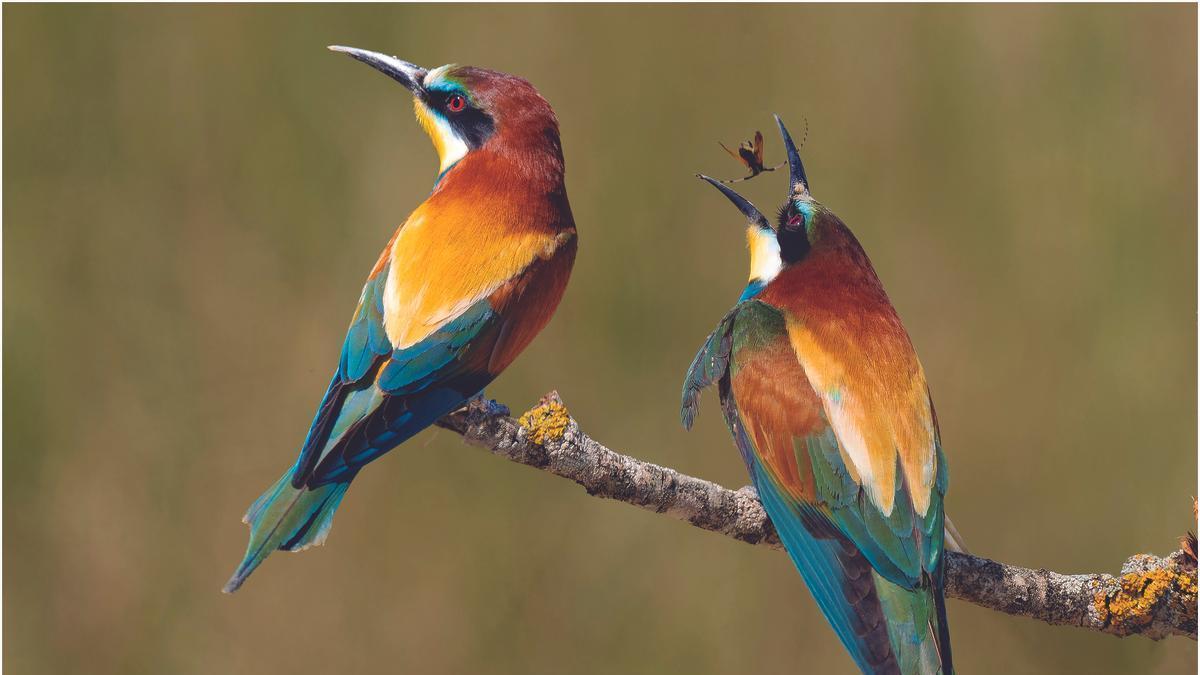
{"points": [[479, 408], [481, 404]]}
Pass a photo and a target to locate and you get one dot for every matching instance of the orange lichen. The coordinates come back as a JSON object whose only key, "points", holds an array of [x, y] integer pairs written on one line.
{"points": [[1131, 606], [547, 422]]}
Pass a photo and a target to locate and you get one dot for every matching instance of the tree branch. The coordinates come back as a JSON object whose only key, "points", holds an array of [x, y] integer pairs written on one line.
{"points": [[1153, 597]]}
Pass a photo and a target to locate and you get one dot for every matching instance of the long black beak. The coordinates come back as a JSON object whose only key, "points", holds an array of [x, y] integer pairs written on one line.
{"points": [[410, 75], [797, 167], [753, 215]]}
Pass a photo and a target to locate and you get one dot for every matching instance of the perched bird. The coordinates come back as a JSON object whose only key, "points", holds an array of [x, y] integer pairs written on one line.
{"points": [[828, 404], [466, 282], [750, 154]]}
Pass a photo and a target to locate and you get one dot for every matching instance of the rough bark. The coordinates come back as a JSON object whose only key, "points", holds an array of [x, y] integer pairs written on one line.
{"points": [[1153, 597]]}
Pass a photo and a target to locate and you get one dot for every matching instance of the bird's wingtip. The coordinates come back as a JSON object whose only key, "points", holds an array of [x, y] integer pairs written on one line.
{"points": [[239, 577], [687, 415]]}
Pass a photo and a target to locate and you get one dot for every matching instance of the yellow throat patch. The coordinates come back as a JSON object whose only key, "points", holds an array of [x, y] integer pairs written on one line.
{"points": [[450, 148]]}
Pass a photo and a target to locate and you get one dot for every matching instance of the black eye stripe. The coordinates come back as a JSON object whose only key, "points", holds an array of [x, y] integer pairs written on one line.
{"points": [[792, 234], [470, 123]]}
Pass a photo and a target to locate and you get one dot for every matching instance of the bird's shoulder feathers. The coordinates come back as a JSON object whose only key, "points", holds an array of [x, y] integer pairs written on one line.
{"points": [[449, 255]]}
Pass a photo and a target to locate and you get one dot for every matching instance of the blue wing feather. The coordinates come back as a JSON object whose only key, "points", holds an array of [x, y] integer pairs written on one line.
{"points": [[363, 349], [413, 388], [709, 365], [412, 369], [823, 564], [366, 340]]}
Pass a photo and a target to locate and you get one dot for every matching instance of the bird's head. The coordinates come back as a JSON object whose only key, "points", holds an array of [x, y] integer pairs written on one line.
{"points": [[465, 108], [776, 245]]}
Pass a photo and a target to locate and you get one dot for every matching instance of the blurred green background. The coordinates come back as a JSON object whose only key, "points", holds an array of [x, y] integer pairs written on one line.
{"points": [[194, 195]]}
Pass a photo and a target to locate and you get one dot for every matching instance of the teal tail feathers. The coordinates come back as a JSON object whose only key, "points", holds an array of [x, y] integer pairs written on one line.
{"points": [[917, 627], [886, 628], [287, 519]]}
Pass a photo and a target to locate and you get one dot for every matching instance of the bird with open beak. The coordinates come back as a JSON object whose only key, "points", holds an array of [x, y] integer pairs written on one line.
{"points": [[826, 400], [468, 279]]}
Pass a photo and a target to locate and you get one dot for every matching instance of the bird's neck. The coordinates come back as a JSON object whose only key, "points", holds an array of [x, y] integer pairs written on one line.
{"points": [[834, 269], [520, 172], [516, 190]]}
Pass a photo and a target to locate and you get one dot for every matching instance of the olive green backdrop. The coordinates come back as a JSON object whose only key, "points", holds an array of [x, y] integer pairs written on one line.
{"points": [[194, 195]]}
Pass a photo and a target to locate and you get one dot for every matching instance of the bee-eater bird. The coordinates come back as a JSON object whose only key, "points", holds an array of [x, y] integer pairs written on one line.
{"points": [[826, 400], [466, 282]]}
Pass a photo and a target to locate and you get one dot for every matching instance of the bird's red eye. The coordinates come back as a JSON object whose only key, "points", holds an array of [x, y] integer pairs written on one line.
{"points": [[456, 103]]}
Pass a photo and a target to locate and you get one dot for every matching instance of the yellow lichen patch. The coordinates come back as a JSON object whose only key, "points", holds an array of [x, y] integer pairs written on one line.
{"points": [[547, 422], [1131, 607]]}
